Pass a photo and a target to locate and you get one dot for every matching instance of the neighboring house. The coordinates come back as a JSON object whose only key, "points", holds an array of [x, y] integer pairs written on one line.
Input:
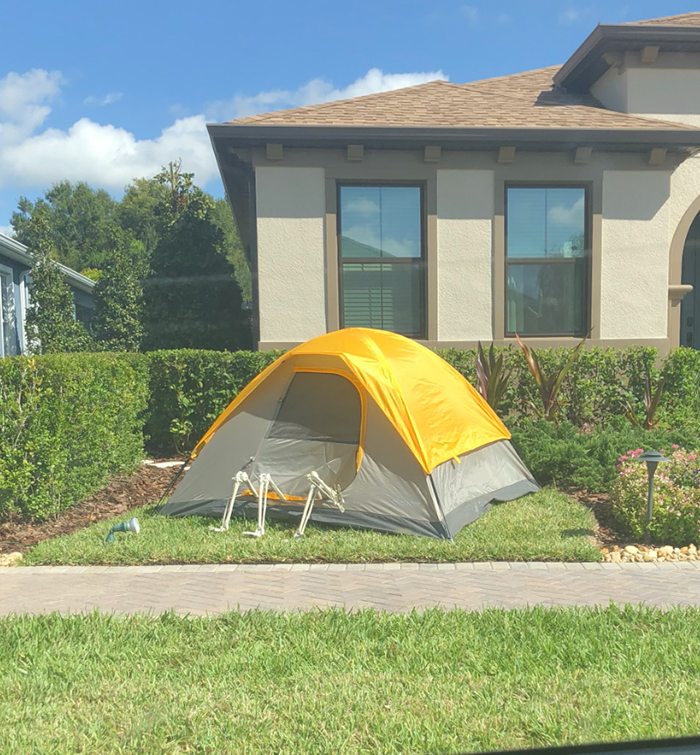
{"points": [[548, 203], [15, 273]]}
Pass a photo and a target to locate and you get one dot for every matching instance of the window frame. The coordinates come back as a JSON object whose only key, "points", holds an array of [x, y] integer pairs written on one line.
{"points": [[421, 262], [586, 259], [9, 272]]}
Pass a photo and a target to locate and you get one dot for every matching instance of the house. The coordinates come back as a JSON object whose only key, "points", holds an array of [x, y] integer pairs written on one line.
{"points": [[15, 273], [550, 203]]}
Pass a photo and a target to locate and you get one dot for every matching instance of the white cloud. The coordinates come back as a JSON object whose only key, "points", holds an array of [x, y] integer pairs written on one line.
{"points": [[24, 102], [562, 215], [108, 99], [362, 206], [7, 230], [314, 92], [104, 155], [35, 155], [572, 13], [470, 13]]}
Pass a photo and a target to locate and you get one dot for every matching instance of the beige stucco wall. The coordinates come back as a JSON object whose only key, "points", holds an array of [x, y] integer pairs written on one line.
{"points": [[291, 270], [633, 223], [668, 89], [666, 94], [611, 90], [465, 210], [634, 254]]}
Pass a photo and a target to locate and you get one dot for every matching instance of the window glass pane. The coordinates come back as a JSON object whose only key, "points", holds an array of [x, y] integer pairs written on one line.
{"points": [[566, 222], [380, 221], [382, 296], [400, 221], [360, 227], [526, 227], [546, 298], [546, 222], [10, 342]]}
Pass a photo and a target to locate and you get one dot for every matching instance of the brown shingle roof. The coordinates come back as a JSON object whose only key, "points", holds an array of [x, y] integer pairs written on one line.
{"points": [[683, 19], [526, 100]]}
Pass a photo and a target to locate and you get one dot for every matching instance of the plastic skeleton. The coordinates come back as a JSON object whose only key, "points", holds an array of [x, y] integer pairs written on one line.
{"points": [[238, 480], [265, 483], [333, 496], [318, 486]]}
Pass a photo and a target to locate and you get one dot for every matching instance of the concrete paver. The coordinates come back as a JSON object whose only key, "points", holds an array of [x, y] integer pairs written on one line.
{"points": [[387, 587]]}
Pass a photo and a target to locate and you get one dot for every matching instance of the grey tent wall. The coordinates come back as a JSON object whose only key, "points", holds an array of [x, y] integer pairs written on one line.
{"points": [[466, 489], [231, 449]]}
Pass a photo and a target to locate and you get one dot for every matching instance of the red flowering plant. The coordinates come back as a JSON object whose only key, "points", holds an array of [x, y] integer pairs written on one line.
{"points": [[676, 514]]}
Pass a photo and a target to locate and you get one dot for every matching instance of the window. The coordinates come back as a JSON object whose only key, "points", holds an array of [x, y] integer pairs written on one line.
{"points": [[382, 258], [9, 343], [84, 314], [546, 261]]}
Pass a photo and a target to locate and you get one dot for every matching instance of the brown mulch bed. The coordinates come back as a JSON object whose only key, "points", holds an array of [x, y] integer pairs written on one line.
{"points": [[143, 487], [609, 531]]}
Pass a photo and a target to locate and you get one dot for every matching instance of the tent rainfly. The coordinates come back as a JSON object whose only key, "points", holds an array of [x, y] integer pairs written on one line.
{"points": [[361, 428]]}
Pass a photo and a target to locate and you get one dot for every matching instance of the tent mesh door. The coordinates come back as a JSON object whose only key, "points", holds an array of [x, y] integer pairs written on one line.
{"points": [[317, 428]]}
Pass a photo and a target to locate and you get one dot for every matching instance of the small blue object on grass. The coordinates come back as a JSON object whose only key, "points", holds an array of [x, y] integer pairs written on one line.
{"points": [[652, 459], [131, 526]]}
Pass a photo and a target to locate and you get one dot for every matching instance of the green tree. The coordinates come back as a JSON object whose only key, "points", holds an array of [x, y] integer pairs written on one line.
{"points": [[233, 249], [191, 297], [50, 323], [143, 211], [118, 299], [79, 221]]}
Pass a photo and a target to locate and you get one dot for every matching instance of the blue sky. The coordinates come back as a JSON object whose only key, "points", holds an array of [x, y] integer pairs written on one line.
{"points": [[108, 92]]}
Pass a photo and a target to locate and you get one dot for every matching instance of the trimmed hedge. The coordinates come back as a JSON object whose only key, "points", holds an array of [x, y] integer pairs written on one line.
{"points": [[190, 388], [596, 388], [67, 422]]}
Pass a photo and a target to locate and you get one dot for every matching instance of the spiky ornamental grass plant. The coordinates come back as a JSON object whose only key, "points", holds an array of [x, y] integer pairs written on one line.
{"points": [[652, 400], [492, 378], [548, 386]]}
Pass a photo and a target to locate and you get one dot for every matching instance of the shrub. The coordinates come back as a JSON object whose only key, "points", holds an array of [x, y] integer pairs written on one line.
{"points": [[190, 388], [598, 386], [676, 513], [568, 457], [67, 422], [680, 404]]}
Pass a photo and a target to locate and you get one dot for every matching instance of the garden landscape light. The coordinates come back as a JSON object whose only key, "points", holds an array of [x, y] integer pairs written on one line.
{"points": [[131, 526], [652, 459]]}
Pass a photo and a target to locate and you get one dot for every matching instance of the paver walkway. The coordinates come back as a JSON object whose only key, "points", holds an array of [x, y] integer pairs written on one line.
{"points": [[389, 587]]}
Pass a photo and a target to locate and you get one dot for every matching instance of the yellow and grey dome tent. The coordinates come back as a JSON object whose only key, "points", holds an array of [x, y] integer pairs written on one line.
{"points": [[357, 427]]}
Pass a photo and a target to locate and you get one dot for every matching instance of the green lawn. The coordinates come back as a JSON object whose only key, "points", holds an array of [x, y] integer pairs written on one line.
{"points": [[542, 526], [331, 682]]}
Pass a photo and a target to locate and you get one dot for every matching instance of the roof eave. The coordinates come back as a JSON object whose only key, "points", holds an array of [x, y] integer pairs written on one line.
{"points": [[586, 65], [20, 253], [400, 137]]}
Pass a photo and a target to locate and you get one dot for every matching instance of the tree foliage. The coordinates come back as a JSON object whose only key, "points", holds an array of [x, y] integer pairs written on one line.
{"points": [[192, 299], [51, 326], [232, 247], [118, 299], [165, 234], [141, 211], [79, 221]]}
